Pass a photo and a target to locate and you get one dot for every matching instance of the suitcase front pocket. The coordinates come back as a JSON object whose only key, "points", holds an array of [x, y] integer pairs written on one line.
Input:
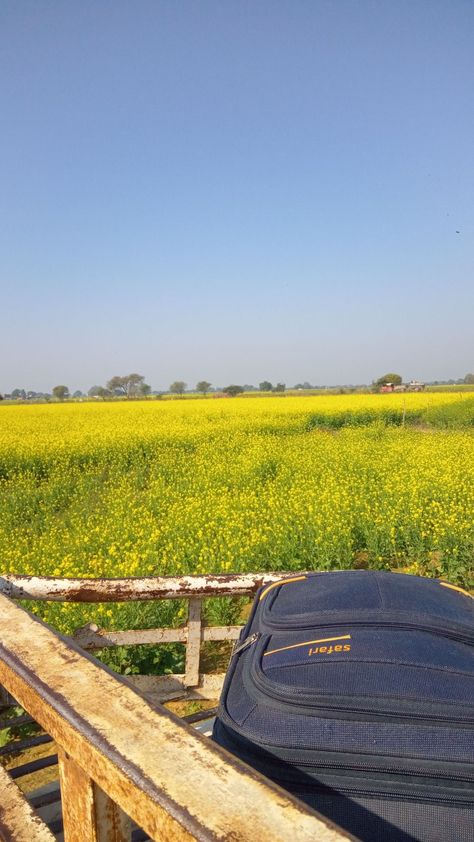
{"points": [[364, 672]]}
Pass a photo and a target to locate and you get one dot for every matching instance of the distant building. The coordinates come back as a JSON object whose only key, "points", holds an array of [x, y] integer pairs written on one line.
{"points": [[412, 386], [415, 386]]}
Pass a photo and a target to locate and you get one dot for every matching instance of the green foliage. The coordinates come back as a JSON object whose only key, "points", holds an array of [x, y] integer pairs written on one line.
{"points": [[99, 392], [265, 386], [203, 386], [456, 415], [16, 732], [233, 390], [178, 387], [128, 385], [396, 379], [61, 392], [451, 388], [165, 659], [4, 737]]}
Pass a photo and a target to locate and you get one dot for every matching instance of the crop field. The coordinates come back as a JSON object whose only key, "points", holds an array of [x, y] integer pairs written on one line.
{"points": [[148, 488]]}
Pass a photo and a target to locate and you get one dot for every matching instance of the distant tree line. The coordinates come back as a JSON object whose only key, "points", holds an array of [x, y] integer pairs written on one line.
{"points": [[133, 386]]}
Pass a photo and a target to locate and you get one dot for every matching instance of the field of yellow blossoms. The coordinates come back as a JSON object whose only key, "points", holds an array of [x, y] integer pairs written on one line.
{"points": [[199, 486]]}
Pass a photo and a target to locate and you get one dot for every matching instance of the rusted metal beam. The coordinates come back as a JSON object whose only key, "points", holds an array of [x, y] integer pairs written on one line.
{"points": [[125, 590], [201, 715], [193, 647], [33, 766], [6, 700], [45, 796], [89, 815], [16, 721], [220, 632], [91, 637], [18, 820], [77, 801], [113, 825], [167, 688], [173, 782], [17, 746]]}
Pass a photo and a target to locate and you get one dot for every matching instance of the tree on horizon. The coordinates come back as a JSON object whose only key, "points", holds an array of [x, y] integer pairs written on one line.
{"points": [[178, 387], [203, 386], [61, 392], [127, 385], [99, 392], [233, 390], [396, 379]]}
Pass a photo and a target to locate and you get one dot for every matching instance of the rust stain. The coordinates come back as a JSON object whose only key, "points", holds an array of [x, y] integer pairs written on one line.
{"points": [[18, 821], [138, 588]]}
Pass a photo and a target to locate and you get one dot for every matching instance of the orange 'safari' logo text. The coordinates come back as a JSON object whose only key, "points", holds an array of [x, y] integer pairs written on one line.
{"points": [[328, 650]]}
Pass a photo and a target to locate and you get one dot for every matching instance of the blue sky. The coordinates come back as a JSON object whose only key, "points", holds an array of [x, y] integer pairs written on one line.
{"points": [[235, 191]]}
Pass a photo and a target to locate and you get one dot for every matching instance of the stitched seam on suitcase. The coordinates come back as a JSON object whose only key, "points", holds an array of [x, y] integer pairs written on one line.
{"points": [[248, 714], [336, 661], [385, 697], [382, 603]]}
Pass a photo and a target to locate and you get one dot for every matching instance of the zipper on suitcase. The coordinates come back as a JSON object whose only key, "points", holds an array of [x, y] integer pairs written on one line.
{"points": [[466, 637], [246, 643], [301, 792], [349, 767]]}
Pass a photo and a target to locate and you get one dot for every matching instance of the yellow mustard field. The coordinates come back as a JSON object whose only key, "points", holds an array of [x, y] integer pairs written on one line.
{"points": [[155, 487]]}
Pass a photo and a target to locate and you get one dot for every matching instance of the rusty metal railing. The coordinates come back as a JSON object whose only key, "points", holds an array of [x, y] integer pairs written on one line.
{"points": [[192, 684], [123, 759]]}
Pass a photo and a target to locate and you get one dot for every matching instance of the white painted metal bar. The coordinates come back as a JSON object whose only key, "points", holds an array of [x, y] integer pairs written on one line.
{"points": [[131, 589], [193, 647]]}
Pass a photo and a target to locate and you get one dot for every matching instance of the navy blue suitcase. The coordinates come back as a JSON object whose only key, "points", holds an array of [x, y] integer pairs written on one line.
{"points": [[354, 690]]}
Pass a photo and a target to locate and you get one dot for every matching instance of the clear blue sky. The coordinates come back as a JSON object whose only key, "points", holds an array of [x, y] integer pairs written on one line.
{"points": [[235, 190]]}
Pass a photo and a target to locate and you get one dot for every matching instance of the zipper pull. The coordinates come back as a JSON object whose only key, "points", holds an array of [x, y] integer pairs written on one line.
{"points": [[246, 643]]}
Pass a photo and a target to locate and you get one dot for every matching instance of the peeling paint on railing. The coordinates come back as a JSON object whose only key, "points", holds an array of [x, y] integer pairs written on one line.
{"points": [[136, 588]]}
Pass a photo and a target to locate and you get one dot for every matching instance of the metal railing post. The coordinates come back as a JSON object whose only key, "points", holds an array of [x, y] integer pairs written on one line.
{"points": [[193, 645], [89, 815]]}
